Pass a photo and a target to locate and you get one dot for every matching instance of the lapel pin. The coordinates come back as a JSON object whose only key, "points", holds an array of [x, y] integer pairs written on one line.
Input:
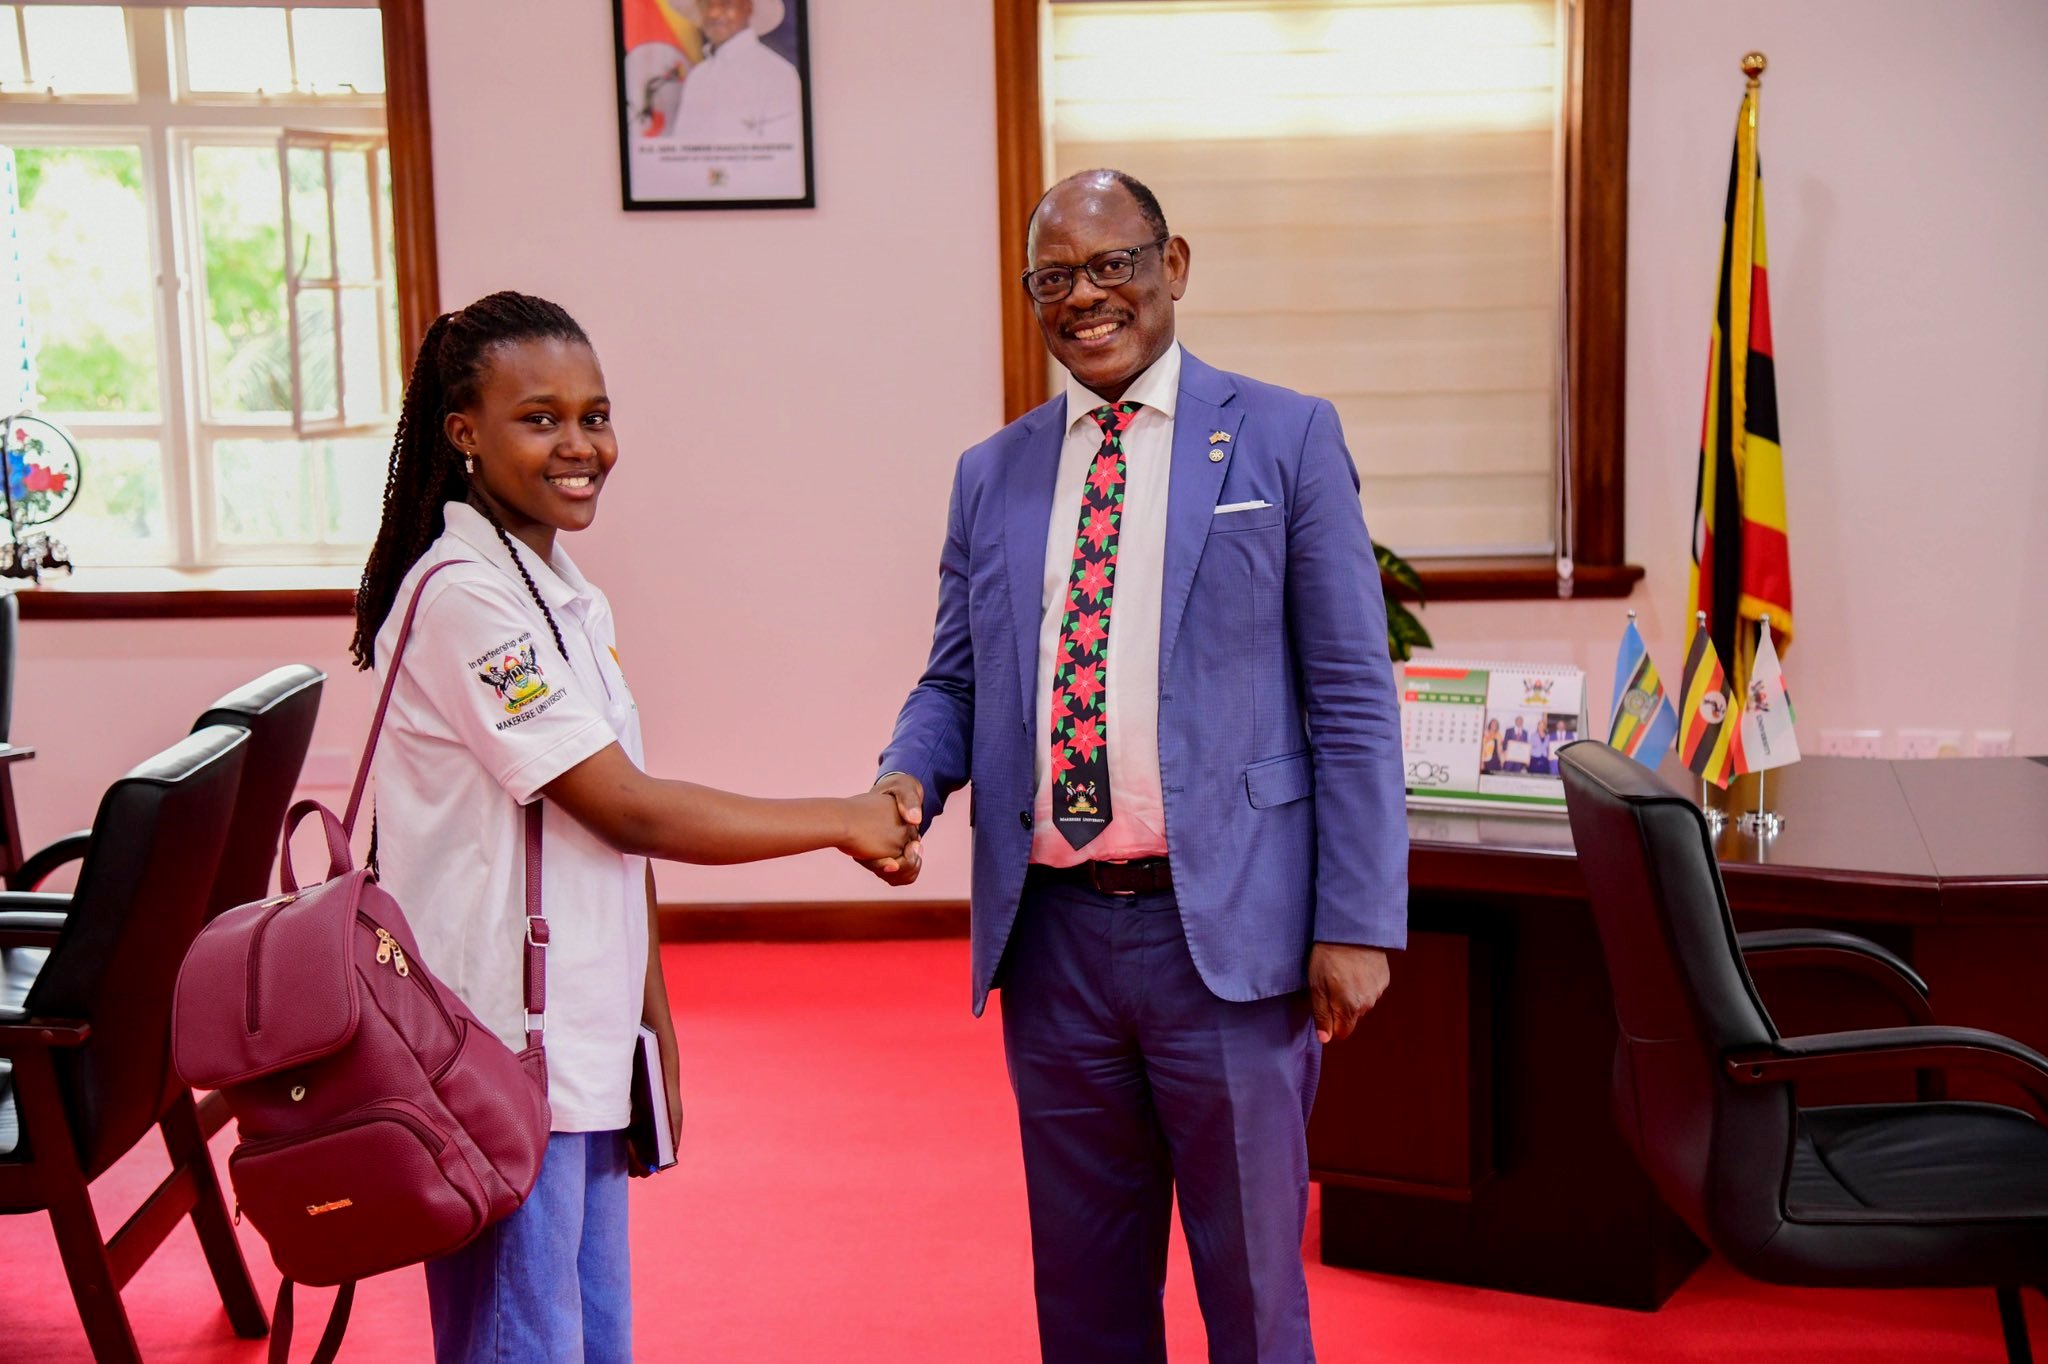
{"points": [[1219, 438], [1215, 456]]}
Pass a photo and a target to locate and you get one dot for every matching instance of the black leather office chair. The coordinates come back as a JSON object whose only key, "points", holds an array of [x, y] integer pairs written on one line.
{"points": [[1882, 1195], [278, 709], [10, 823], [89, 1047]]}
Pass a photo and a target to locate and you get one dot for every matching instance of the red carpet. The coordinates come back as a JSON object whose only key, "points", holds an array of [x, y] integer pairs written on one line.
{"points": [[851, 1191]]}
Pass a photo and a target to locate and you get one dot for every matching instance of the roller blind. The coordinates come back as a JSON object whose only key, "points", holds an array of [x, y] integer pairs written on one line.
{"points": [[217, 4], [1371, 194]]}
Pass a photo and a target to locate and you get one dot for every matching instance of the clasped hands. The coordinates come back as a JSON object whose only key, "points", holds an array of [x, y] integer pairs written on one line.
{"points": [[883, 833], [1345, 980]]}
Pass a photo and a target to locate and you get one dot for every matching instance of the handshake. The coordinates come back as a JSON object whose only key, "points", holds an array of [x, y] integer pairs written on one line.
{"points": [[882, 829]]}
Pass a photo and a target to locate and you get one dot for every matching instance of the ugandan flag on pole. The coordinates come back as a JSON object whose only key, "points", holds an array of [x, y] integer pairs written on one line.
{"points": [[1741, 566], [1706, 731]]}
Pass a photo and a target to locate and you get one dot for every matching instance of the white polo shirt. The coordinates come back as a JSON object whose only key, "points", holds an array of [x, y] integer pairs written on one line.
{"points": [[486, 713]]}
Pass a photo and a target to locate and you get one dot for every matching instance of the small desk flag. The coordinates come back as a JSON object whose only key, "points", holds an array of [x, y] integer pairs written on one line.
{"points": [[1765, 738], [1642, 721], [1706, 729]]}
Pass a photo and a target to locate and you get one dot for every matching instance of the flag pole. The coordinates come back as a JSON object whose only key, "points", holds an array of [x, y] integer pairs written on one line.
{"points": [[1764, 823], [1715, 816]]}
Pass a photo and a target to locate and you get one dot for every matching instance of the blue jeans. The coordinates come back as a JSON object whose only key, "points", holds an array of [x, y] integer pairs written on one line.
{"points": [[549, 1284]]}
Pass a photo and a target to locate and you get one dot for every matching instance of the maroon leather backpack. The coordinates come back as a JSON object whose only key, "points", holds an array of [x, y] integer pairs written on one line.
{"points": [[381, 1123]]}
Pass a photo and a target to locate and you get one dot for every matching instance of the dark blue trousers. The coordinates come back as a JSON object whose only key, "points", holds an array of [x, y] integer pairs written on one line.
{"points": [[1134, 1082]]}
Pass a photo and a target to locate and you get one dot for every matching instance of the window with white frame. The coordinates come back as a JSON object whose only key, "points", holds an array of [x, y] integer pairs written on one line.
{"points": [[197, 237], [1372, 190]]}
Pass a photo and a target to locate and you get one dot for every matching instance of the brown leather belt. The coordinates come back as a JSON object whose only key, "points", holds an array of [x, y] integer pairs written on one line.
{"points": [[1138, 877]]}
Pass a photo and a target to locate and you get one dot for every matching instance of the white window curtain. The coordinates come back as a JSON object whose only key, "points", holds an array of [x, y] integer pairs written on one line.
{"points": [[1371, 194], [223, 4]]}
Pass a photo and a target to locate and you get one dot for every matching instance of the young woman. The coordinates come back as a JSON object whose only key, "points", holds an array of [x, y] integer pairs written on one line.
{"points": [[1489, 748], [511, 691]]}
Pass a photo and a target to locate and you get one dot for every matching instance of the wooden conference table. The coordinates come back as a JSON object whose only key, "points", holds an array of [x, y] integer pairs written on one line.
{"points": [[1465, 1134]]}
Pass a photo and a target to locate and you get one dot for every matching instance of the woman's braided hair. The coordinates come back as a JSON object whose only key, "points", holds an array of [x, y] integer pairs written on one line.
{"points": [[426, 471]]}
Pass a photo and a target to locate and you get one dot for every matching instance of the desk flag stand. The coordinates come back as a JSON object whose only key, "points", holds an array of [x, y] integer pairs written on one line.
{"points": [[1767, 737], [1762, 822]]}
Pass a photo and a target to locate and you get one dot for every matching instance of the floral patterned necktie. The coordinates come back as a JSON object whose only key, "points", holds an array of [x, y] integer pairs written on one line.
{"points": [[1080, 681]]}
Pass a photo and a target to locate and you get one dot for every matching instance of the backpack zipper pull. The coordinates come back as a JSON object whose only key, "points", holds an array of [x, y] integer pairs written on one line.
{"points": [[386, 946]]}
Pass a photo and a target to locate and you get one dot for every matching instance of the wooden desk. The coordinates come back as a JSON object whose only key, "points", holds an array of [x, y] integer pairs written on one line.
{"points": [[1464, 1133]]}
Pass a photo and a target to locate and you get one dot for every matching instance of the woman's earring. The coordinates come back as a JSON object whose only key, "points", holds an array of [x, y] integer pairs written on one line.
{"points": [[469, 465]]}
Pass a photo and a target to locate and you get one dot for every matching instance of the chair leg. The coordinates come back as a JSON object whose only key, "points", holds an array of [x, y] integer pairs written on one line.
{"points": [[213, 1113], [188, 1149], [63, 1189], [2012, 1319], [92, 1279]]}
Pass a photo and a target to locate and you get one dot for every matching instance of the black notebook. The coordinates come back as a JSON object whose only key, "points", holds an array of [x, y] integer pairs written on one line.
{"points": [[649, 1137]]}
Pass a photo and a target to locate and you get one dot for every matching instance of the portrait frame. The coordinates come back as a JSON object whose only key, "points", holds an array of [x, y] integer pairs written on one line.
{"points": [[740, 140]]}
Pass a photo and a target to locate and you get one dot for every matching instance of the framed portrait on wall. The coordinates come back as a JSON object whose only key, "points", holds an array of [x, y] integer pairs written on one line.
{"points": [[714, 103]]}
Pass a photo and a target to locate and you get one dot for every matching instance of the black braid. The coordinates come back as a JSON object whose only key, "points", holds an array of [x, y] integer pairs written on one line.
{"points": [[426, 471], [519, 563]]}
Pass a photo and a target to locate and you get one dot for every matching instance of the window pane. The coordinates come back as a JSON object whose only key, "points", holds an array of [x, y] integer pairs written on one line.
{"points": [[85, 254], [312, 251], [355, 246], [241, 230], [363, 354], [340, 51], [79, 49], [262, 494], [236, 51], [119, 514], [13, 75], [317, 360], [354, 470]]}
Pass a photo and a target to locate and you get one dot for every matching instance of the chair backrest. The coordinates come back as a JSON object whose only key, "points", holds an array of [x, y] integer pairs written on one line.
{"points": [[10, 630], [140, 901], [278, 710], [1716, 1151]]}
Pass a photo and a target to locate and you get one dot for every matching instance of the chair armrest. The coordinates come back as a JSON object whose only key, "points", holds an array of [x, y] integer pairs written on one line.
{"points": [[30, 928], [1827, 949], [37, 866], [32, 920], [1889, 1050], [20, 1033]]}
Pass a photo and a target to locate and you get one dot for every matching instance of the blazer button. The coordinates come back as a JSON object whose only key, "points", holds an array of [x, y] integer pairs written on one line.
{"points": [[1024, 818]]}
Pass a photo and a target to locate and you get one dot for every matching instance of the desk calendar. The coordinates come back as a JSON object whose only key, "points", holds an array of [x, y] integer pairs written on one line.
{"points": [[1484, 734]]}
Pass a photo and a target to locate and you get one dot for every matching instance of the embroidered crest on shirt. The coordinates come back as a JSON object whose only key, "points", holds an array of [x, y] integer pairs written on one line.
{"points": [[513, 673]]}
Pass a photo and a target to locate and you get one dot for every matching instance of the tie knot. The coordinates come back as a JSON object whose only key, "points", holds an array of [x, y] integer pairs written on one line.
{"points": [[1113, 418]]}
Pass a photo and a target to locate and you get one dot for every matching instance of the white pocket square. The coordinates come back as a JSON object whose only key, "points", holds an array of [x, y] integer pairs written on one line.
{"points": [[1229, 507]]}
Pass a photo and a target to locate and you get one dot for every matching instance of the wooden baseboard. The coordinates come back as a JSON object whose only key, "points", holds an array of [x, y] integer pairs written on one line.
{"points": [[815, 921]]}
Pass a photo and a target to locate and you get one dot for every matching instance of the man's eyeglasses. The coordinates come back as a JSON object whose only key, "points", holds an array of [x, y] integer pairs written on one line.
{"points": [[1111, 268]]}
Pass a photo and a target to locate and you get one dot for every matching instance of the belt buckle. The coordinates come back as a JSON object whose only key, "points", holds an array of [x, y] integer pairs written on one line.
{"points": [[1095, 878]]}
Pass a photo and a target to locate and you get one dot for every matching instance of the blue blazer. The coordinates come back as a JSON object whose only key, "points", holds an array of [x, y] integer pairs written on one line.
{"points": [[1279, 730]]}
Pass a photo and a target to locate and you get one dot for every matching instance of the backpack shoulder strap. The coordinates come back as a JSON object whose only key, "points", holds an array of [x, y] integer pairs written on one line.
{"points": [[536, 959], [412, 609], [330, 1339]]}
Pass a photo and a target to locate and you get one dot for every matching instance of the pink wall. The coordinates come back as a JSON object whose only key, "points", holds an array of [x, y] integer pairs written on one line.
{"points": [[771, 537]]}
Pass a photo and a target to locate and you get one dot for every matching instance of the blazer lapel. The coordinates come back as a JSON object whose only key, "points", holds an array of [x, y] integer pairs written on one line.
{"points": [[1205, 409], [1027, 519]]}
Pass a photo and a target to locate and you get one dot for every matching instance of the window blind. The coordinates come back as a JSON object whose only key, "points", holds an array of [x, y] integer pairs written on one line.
{"points": [[1371, 193]]}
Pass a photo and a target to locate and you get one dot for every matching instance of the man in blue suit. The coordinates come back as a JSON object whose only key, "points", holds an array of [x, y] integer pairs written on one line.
{"points": [[1160, 659]]}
